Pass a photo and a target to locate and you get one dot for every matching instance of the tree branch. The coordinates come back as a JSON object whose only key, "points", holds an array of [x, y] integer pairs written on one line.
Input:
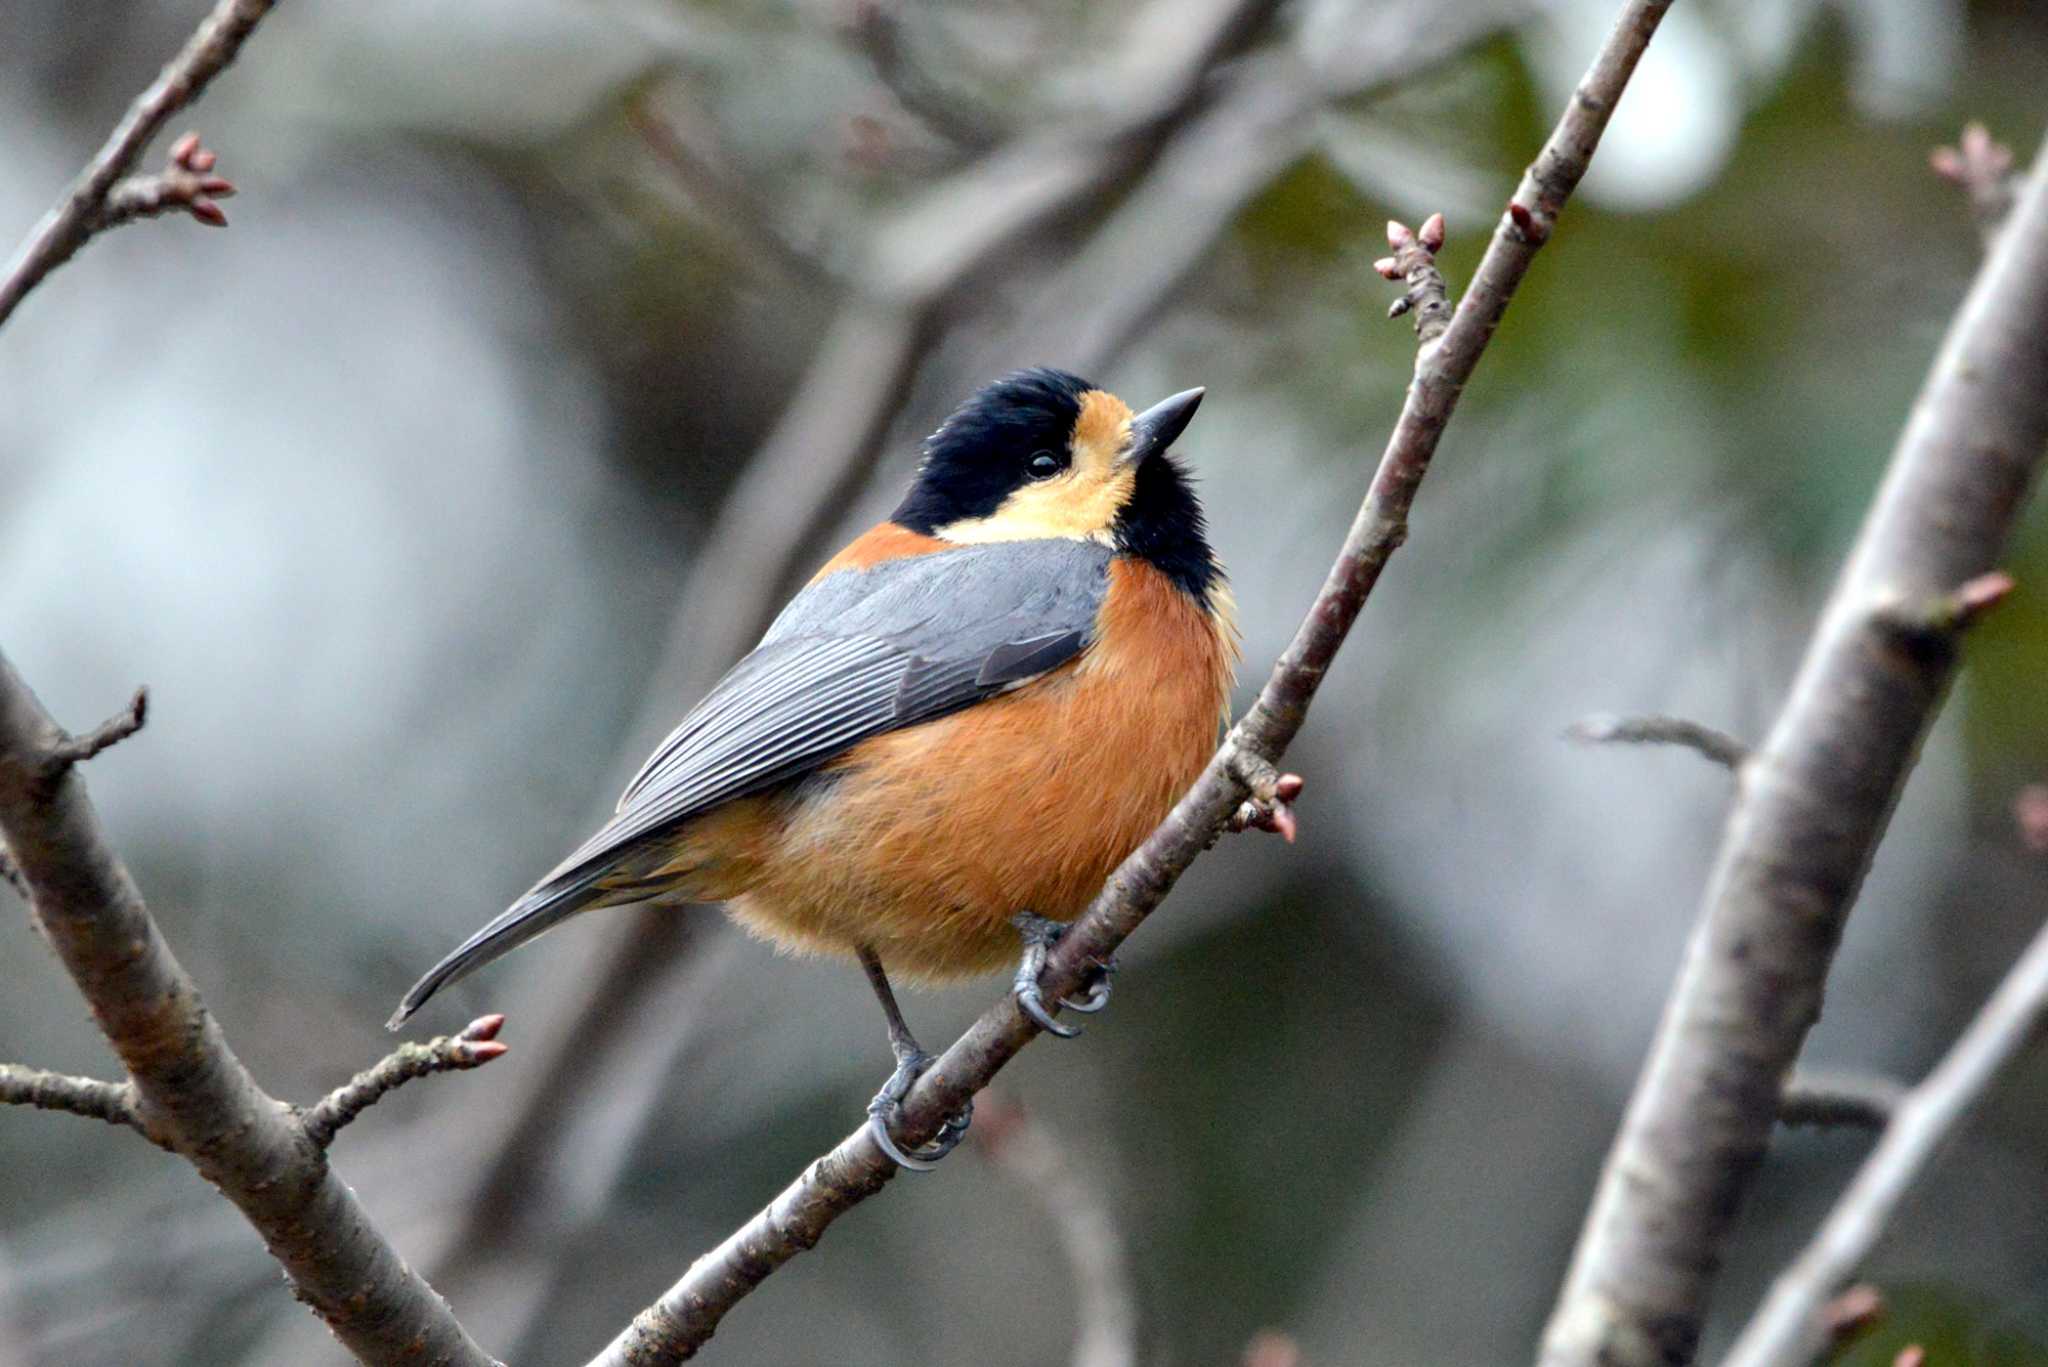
{"points": [[1814, 804], [1788, 1330], [475, 1046], [876, 28], [85, 208], [113, 1102], [191, 1093], [685, 1317], [1718, 746], [1839, 1099], [109, 733], [1106, 1330]]}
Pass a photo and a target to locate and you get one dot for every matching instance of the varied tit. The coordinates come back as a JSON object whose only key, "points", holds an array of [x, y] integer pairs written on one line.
{"points": [[954, 733]]}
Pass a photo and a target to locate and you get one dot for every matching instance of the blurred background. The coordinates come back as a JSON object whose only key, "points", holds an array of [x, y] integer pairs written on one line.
{"points": [[555, 340]]}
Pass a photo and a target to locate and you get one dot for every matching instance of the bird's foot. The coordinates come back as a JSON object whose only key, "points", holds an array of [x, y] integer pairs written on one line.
{"points": [[1040, 934], [887, 1106]]}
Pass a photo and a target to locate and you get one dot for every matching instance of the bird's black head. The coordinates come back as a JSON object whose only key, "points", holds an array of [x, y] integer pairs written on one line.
{"points": [[1042, 453]]}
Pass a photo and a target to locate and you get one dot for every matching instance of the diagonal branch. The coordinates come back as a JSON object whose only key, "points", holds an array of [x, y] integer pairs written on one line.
{"points": [[1814, 803], [113, 1102], [191, 1093], [475, 1046], [1788, 1330], [685, 1317], [84, 210]]}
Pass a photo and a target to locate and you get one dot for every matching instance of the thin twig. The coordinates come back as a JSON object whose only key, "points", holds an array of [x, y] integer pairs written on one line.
{"points": [[475, 1046], [1106, 1318], [876, 28], [1788, 1330], [191, 1091], [1718, 746], [1814, 804], [113, 1102], [1825, 1100], [688, 1313], [83, 210], [111, 732]]}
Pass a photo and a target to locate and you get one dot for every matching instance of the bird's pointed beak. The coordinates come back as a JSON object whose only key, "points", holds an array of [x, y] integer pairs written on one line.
{"points": [[1153, 430]]}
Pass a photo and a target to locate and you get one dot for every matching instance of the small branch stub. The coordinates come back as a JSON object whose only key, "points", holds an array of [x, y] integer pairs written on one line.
{"points": [[109, 733], [1981, 167], [186, 184], [1718, 746], [1939, 620], [1835, 1100], [1851, 1314], [1271, 804], [474, 1047], [1414, 260]]}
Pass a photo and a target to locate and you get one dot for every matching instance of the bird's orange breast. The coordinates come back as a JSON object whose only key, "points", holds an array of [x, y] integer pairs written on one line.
{"points": [[924, 842]]}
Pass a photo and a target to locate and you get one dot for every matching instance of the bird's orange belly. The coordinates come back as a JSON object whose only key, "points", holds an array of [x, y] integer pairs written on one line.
{"points": [[923, 843]]}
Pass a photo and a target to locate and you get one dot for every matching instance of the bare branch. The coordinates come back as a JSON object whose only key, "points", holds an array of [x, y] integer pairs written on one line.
{"points": [[1788, 1330], [475, 1046], [685, 1317], [1814, 804], [113, 1102], [1862, 1101], [85, 210], [190, 1091], [1718, 746], [111, 732], [1107, 1317], [725, 199], [876, 28]]}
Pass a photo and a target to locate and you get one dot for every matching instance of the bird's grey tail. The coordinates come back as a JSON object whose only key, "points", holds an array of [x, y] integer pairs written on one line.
{"points": [[539, 911]]}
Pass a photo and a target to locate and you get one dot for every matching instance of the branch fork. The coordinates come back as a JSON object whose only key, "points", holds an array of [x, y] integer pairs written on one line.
{"points": [[187, 184]]}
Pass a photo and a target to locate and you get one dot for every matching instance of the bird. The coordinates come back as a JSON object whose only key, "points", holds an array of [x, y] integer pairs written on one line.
{"points": [[953, 733]]}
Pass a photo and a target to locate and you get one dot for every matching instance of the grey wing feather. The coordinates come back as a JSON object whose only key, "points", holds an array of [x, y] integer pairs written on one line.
{"points": [[858, 654]]}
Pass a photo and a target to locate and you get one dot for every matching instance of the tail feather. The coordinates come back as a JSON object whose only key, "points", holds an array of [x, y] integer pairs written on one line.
{"points": [[538, 912]]}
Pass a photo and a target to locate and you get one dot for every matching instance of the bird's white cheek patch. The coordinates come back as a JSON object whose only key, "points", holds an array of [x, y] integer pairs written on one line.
{"points": [[1079, 507]]}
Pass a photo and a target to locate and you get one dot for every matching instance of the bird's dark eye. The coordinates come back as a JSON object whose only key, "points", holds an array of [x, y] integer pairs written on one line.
{"points": [[1043, 465]]}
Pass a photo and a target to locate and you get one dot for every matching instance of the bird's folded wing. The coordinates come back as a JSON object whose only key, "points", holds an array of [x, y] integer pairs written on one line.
{"points": [[859, 653]]}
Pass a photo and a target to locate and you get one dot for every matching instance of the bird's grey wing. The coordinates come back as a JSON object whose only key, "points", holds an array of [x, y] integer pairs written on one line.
{"points": [[860, 653]]}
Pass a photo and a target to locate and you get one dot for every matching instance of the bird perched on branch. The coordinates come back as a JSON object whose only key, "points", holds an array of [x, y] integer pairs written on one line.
{"points": [[954, 733]]}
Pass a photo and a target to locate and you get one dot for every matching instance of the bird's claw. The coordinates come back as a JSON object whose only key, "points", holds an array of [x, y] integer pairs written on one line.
{"points": [[888, 1105], [1040, 934]]}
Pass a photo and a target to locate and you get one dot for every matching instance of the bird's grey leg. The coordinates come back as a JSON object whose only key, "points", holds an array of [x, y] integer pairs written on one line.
{"points": [[911, 1061], [1040, 934]]}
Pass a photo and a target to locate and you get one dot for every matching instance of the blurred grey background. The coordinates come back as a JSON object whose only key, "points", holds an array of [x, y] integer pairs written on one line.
{"points": [[554, 339]]}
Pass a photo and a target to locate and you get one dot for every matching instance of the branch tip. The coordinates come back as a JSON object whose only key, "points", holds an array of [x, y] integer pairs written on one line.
{"points": [[1846, 1100], [476, 1045], [1705, 741], [1848, 1315], [1982, 167], [1948, 614], [1414, 260], [109, 733], [186, 183]]}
